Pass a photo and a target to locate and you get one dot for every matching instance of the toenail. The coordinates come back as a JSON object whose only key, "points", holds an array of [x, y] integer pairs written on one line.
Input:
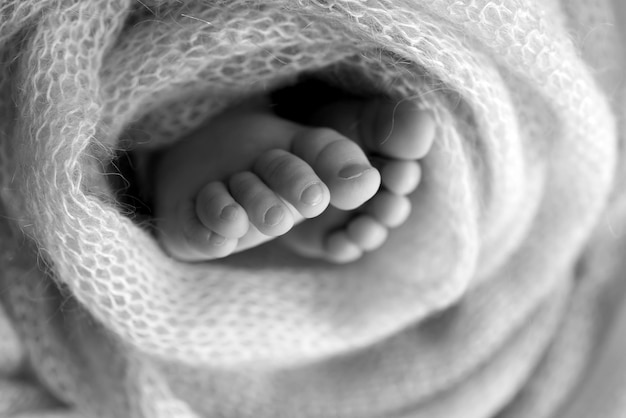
{"points": [[229, 213], [274, 215], [312, 195], [353, 171]]}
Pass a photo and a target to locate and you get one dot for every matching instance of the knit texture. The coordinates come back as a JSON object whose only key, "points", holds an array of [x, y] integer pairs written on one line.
{"points": [[494, 300]]}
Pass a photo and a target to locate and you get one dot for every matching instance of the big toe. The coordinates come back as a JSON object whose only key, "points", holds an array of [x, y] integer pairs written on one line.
{"points": [[341, 164], [399, 130]]}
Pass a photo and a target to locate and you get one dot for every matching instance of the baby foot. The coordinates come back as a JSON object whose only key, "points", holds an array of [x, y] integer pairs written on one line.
{"points": [[249, 176], [396, 137]]}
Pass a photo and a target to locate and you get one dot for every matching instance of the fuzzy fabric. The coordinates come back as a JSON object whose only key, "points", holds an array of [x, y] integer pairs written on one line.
{"points": [[496, 299]]}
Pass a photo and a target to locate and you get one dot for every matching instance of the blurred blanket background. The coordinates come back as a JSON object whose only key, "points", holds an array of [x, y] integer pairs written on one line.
{"points": [[499, 298]]}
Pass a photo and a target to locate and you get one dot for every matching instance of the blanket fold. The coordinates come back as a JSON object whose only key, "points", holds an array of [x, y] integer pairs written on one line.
{"points": [[488, 302]]}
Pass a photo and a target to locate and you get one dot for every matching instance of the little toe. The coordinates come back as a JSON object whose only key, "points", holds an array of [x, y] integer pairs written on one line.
{"points": [[265, 210], [203, 244], [366, 232], [219, 212], [400, 177], [341, 164], [294, 180], [400, 130], [187, 239], [341, 249], [390, 210]]}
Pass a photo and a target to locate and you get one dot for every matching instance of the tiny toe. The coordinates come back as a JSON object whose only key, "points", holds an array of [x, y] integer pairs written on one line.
{"points": [[366, 232], [204, 244], [400, 177], [341, 249], [341, 164], [389, 209], [308, 238], [401, 131], [294, 180], [219, 212], [266, 211], [187, 239]]}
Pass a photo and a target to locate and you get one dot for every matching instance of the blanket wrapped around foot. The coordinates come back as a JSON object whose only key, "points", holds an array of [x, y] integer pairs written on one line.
{"points": [[494, 299]]}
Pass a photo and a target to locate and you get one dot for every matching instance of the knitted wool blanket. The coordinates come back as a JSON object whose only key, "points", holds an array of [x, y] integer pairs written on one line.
{"points": [[495, 299]]}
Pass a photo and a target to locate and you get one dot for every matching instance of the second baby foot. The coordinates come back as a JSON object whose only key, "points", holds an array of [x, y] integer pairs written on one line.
{"points": [[248, 176], [395, 136]]}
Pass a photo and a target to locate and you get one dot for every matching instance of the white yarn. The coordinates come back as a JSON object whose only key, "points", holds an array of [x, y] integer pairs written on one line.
{"points": [[475, 308]]}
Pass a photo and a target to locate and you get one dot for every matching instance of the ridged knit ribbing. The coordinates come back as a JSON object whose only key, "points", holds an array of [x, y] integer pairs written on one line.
{"points": [[488, 302]]}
